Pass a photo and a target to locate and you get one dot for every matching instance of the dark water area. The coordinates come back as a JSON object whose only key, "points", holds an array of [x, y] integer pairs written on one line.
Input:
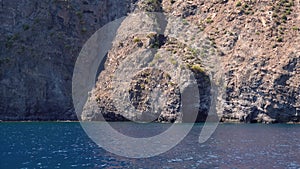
{"points": [[65, 145]]}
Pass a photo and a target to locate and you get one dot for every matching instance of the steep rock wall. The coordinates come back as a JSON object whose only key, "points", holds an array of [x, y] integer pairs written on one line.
{"points": [[39, 42]]}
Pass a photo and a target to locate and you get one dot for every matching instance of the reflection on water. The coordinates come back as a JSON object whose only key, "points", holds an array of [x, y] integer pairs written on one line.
{"points": [[65, 145]]}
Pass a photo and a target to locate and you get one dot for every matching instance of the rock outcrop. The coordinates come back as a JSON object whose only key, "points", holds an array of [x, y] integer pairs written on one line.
{"points": [[148, 68], [255, 42]]}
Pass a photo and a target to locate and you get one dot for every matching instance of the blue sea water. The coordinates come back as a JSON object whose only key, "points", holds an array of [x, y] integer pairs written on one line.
{"points": [[65, 145]]}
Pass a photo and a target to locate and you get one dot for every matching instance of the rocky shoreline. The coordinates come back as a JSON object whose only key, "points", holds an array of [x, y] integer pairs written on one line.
{"points": [[77, 121]]}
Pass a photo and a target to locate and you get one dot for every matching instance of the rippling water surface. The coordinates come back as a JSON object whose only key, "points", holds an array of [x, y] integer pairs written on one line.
{"points": [[65, 145]]}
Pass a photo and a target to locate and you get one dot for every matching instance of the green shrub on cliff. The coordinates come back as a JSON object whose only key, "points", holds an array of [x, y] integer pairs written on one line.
{"points": [[137, 40], [25, 27], [197, 68], [151, 5]]}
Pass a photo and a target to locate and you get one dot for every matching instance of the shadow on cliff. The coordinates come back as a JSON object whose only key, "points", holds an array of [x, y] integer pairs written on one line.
{"points": [[197, 105]]}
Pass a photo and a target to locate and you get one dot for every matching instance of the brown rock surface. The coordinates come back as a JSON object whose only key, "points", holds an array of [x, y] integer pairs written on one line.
{"points": [[257, 43]]}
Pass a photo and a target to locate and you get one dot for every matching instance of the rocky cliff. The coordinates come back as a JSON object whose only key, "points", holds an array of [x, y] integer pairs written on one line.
{"points": [[40, 41], [256, 43]]}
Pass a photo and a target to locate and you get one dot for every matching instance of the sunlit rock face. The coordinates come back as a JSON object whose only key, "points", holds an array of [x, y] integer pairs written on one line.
{"points": [[256, 44], [148, 73]]}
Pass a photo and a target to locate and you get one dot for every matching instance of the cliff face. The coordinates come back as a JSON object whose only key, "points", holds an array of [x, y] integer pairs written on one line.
{"points": [[260, 42], [152, 67], [256, 41], [40, 41]]}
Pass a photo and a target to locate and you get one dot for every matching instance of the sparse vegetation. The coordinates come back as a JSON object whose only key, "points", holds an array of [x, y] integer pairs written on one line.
{"points": [[11, 39], [157, 56], [4, 60], [274, 15], [84, 30], [197, 68], [137, 40], [151, 5], [281, 9], [151, 35], [209, 20], [36, 20], [184, 21], [155, 45], [173, 61], [9, 44], [201, 28], [288, 11], [194, 51], [245, 6], [284, 18], [68, 46], [171, 83], [25, 27], [143, 86], [79, 14], [279, 39]]}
